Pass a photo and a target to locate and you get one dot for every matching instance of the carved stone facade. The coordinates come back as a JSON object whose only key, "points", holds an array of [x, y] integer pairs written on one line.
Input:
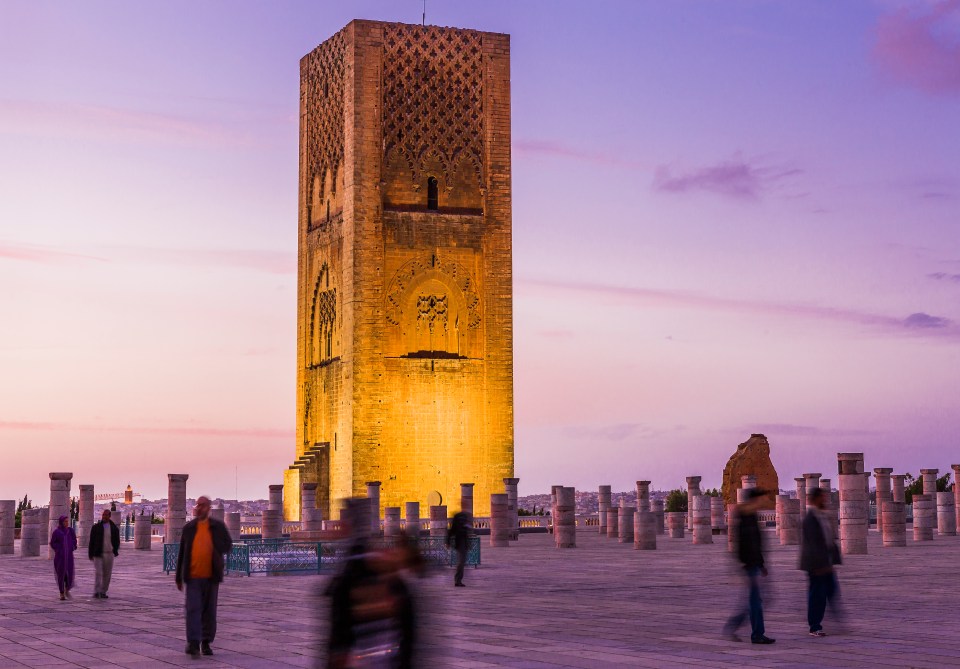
{"points": [[405, 342]]}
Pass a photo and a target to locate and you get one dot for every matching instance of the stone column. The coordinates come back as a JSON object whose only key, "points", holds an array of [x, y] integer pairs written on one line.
{"points": [[956, 491], [894, 524], [30, 533], [644, 530], [311, 518], [232, 521], [85, 518], [553, 508], [412, 518], [946, 515], [373, 494], [702, 532], [510, 487], [271, 523], [275, 501], [142, 528], [625, 522], [780, 514], [930, 482], [657, 506], [613, 519], [466, 498], [565, 532], [897, 487], [717, 520], [748, 482], [853, 519], [884, 492], [811, 480], [603, 503], [391, 521], [676, 520], [732, 520], [59, 502], [825, 486], [176, 516], [924, 518], [8, 515], [438, 520], [801, 485], [643, 495], [693, 490], [499, 520], [790, 523]]}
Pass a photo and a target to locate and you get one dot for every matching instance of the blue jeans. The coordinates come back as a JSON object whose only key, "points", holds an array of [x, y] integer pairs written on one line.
{"points": [[823, 588], [752, 608]]}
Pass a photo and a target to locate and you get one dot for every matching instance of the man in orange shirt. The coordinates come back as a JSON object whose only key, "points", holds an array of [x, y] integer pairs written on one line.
{"points": [[204, 542]]}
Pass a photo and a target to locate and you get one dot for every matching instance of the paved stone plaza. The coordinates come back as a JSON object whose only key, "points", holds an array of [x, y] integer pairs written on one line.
{"points": [[602, 604]]}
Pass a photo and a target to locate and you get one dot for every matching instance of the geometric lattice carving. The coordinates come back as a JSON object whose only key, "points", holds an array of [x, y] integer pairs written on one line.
{"points": [[451, 270], [432, 311], [323, 318], [321, 98], [432, 97]]}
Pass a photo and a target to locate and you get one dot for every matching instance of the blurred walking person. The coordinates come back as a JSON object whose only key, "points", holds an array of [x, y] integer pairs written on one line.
{"points": [[200, 564], [819, 555], [63, 541], [750, 554], [104, 545], [458, 538]]}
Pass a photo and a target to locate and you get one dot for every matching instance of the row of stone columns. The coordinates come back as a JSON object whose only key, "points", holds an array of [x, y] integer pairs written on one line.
{"points": [[8, 515]]}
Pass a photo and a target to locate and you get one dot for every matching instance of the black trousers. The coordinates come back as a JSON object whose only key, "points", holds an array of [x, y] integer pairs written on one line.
{"points": [[461, 563], [201, 610]]}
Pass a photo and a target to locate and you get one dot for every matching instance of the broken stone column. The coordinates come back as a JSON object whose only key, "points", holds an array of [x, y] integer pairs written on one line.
{"points": [[956, 492], [510, 487], [884, 492], [643, 495], [693, 490], [438, 519], [499, 520], [603, 503], [271, 523], [625, 522], [232, 521], [717, 520], [732, 520], [676, 520], [780, 514], [894, 524], [613, 527], [176, 516], [801, 485], [466, 498], [702, 532], [8, 515], [566, 528], [924, 518], [657, 507], [275, 500], [85, 515], [142, 530], [946, 515], [897, 487], [59, 502], [412, 518], [790, 528], [853, 510], [644, 530], [373, 494], [748, 482], [553, 507], [930, 482], [311, 518], [811, 480], [391, 521], [216, 512], [30, 533]]}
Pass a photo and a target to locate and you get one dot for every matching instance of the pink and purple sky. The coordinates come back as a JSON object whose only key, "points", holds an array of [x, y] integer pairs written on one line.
{"points": [[729, 218]]}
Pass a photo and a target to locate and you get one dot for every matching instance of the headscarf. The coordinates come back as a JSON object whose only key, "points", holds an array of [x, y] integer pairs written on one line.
{"points": [[60, 521]]}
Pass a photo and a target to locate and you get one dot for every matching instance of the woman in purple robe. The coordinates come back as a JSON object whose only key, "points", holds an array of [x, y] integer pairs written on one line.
{"points": [[63, 542]]}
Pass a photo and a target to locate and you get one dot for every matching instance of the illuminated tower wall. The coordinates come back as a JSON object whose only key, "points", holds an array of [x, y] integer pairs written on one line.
{"points": [[405, 298]]}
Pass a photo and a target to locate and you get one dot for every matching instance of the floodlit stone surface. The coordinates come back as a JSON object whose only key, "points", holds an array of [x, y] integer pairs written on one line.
{"points": [[528, 606], [752, 458]]}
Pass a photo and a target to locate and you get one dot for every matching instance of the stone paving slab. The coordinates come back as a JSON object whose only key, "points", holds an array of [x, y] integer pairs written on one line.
{"points": [[602, 605]]}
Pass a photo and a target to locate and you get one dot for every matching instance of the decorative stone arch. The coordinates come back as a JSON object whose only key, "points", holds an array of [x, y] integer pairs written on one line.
{"points": [[323, 319]]}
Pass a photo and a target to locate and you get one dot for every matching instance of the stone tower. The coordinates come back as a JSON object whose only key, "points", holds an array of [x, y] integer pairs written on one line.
{"points": [[405, 297]]}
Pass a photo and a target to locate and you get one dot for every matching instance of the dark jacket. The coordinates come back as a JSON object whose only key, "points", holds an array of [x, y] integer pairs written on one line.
{"points": [[221, 546], [749, 541], [458, 536], [816, 557], [95, 546]]}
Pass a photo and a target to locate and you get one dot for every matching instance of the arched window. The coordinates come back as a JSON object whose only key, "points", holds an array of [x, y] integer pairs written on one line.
{"points": [[433, 203], [328, 211]]}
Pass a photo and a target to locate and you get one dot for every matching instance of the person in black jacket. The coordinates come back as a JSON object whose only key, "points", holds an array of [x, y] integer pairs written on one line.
{"points": [[102, 548], [750, 554], [818, 556], [458, 538], [200, 563]]}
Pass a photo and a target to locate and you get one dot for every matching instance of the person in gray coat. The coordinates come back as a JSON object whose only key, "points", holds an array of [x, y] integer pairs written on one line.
{"points": [[819, 555]]}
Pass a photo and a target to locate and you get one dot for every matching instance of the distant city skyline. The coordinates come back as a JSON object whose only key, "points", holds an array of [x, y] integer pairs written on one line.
{"points": [[728, 218]]}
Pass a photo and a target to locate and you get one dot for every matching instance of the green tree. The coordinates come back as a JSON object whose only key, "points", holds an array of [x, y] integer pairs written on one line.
{"points": [[676, 501], [711, 492], [21, 506], [914, 486]]}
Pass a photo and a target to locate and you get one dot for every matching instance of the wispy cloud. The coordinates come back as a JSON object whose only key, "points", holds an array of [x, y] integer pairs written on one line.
{"points": [[919, 45], [791, 430], [556, 334], [736, 178], [179, 431], [554, 149], [945, 276], [913, 323], [41, 254], [616, 431]]}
